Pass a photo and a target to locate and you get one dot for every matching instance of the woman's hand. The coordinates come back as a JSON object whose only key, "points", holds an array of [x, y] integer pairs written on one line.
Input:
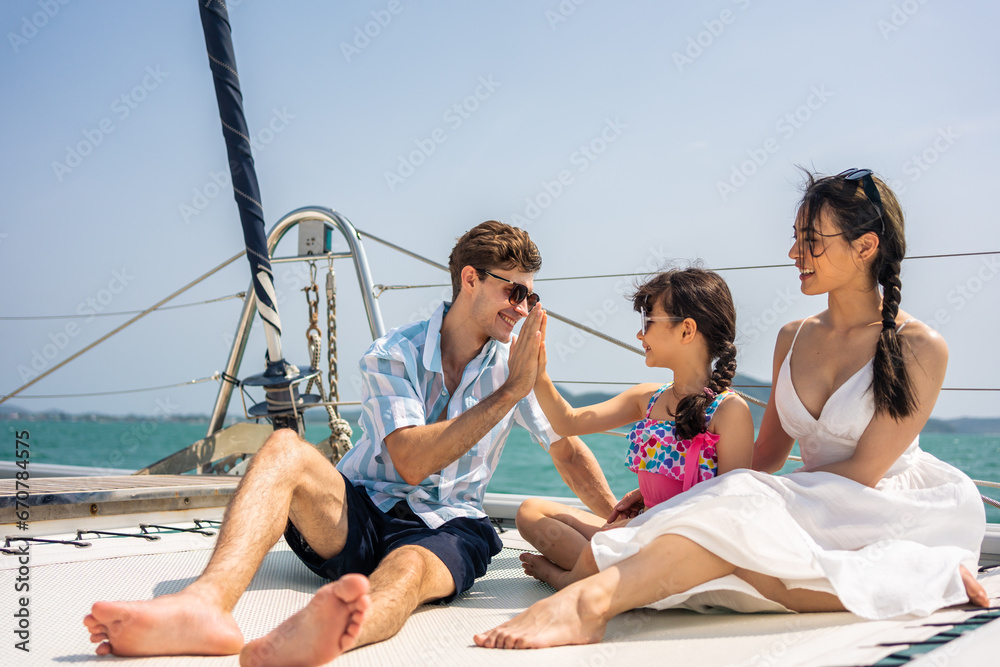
{"points": [[628, 508]]}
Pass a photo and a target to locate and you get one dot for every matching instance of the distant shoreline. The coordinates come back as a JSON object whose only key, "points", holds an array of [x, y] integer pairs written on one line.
{"points": [[958, 426]]}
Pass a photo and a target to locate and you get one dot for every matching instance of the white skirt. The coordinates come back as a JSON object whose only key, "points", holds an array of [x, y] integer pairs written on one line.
{"points": [[885, 552]]}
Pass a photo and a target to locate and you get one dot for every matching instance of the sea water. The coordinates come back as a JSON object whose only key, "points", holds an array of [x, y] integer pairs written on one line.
{"points": [[524, 468]]}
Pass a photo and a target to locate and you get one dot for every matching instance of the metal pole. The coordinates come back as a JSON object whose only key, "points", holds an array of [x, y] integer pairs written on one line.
{"points": [[331, 219]]}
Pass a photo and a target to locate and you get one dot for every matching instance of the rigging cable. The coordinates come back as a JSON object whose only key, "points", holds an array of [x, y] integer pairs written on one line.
{"points": [[214, 376], [238, 295], [379, 289], [122, 326]]}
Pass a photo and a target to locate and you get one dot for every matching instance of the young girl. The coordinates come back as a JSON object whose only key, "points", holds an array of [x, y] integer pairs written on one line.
{"points": [[685, 431]]}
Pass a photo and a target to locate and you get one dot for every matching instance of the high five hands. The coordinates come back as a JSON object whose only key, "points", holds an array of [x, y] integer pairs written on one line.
{"points": [[527, 354]]}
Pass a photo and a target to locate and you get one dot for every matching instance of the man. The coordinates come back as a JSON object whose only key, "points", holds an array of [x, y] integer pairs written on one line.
{"points": [[405, 507]]}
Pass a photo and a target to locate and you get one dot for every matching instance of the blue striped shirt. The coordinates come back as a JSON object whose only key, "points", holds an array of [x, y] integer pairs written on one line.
{"points": [[403, 385]]}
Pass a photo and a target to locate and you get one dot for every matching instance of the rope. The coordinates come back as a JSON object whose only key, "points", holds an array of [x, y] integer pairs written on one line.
{"points": [[215, 376], [340, 429], [122, 326], [238, 295]]}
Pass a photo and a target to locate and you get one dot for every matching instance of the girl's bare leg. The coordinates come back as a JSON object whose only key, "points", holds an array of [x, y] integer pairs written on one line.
{"points": [[542, 569], [560, 532]]}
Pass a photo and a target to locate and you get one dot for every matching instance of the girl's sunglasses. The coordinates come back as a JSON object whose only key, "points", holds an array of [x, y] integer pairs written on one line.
{"points": [[518, 293], [646, 319]]}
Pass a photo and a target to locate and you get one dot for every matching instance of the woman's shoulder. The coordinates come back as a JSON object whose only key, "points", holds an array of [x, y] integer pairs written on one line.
{"points": [[921, 341], [787, 334]]}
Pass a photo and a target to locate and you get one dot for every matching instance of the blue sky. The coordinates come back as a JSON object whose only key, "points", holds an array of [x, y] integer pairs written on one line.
{"points": [[622, 135]]}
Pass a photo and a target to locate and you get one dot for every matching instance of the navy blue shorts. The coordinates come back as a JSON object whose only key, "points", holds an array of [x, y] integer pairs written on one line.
{"points": [[464, 545]]}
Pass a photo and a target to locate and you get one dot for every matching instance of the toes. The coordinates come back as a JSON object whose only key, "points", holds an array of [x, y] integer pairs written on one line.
{"points": [[104, 649]]}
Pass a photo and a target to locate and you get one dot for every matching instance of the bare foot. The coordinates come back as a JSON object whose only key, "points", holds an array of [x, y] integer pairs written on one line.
{"points": [[974, 589], [182, 623], [318, 633], [546, 571], [571, 616]]}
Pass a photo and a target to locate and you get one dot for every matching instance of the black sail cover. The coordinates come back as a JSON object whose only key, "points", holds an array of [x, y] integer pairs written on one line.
{"points": [[222, 59]]}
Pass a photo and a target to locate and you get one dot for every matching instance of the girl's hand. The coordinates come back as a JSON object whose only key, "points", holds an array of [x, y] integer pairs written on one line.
{"points": [[628, 507], [541, 376]]}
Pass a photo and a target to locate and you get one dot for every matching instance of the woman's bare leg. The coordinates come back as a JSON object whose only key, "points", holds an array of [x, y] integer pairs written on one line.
{"points": [[579, 613], [977, 594]]}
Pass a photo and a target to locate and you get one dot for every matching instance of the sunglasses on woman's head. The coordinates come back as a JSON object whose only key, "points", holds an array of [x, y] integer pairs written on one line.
{"points": [[646, 319], [518, 292], [868, 187]]}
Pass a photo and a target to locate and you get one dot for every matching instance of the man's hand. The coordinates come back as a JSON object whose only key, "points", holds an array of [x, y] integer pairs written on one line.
{"points": [[522, 364], [628, 507], [617, 523]]}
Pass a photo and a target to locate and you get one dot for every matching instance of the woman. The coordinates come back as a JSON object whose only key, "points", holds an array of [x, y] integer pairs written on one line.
{"points": [[870, 524]]}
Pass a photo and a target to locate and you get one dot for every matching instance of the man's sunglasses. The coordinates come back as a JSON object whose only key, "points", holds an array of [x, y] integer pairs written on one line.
{"points": [[868, 186], [646, 319], [518, 293]]}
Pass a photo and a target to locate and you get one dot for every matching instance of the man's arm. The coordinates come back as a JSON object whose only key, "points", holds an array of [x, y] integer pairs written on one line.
{"points": [[579, 469], [419, 451]]}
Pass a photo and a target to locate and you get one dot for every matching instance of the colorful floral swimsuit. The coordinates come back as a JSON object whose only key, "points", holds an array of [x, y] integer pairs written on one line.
{"points": [[662, 461]]}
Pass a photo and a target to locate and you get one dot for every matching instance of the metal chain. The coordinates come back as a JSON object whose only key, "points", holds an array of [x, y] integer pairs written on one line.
{"points": [[340, 430]]}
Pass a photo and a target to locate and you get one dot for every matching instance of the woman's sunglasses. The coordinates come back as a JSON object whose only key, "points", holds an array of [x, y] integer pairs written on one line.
{"points": [[518, 293], [646, 319], [868, 186]]}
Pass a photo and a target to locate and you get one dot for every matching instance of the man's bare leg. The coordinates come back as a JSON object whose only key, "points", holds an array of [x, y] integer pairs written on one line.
{"points": [[325, 628], [408, 577], [288, 478]]}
